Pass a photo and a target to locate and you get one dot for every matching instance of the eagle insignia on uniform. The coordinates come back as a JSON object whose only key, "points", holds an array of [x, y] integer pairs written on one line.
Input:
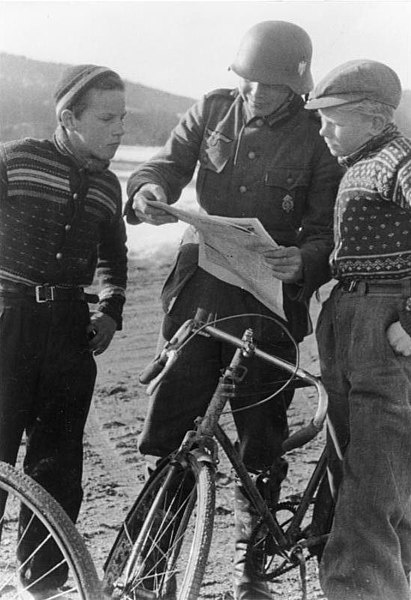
{"points": [[288, 203], [216, 136]]}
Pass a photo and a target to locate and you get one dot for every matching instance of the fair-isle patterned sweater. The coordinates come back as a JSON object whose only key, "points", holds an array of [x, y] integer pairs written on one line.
{"points": [[372, 224], [60, 224]]}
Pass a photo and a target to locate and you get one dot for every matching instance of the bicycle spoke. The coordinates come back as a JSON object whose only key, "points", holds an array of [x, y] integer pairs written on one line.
{"points": [[170, 533], [160, 545], [40, 549]]}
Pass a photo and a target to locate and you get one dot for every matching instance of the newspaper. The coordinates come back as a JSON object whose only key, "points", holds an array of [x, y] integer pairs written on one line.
{"points": [[231, 249]]}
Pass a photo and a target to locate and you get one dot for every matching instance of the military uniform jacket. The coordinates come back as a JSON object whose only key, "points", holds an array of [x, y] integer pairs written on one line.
{"points": [[277, 169]]}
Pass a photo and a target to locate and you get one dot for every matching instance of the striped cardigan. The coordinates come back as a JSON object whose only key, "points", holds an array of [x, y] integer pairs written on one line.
{"points": [[60, 224]]}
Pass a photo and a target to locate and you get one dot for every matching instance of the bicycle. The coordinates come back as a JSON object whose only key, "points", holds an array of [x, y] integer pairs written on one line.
{"points": [[25, 506], [162, 548]]}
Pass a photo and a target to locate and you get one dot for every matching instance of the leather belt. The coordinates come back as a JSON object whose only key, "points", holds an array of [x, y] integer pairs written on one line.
{"points": [[364, 285], [47, 293]]}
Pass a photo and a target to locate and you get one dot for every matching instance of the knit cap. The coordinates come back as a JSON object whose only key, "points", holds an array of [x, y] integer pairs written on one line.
{"points": [[74, 81]]}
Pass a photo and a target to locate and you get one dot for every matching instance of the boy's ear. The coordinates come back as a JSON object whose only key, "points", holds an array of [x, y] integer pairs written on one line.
{"points": [[378, 123], [67, 119]]}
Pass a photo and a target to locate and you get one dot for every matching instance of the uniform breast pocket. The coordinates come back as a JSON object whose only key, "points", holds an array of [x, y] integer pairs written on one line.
{"points": [[287, 188]]}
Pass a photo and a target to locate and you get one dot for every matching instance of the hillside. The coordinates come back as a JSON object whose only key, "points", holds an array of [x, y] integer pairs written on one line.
{"points": [[27, 109], [26, 104]]}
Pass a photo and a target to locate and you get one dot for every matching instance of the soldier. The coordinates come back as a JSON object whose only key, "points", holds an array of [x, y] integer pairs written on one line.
{"points": [[364, 335], [260, 155], [60, 217]]}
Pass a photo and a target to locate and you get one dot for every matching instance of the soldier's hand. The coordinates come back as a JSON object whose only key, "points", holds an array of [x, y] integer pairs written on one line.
{"points": [[148, 213], [101, 330], [399, 339], [285, 263]]}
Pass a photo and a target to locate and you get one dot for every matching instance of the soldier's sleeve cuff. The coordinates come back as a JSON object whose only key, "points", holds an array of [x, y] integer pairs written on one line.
{"points": [[113, 307]]}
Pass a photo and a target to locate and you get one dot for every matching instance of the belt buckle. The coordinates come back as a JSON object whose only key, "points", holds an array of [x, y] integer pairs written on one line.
{"points": [[45, 293]]}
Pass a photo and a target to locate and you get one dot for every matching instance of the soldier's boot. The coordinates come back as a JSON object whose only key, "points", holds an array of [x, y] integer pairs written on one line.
{"points": [[246, 584]]}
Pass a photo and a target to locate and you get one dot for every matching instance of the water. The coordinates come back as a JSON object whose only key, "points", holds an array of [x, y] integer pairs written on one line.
{"points": [[144, 240]]}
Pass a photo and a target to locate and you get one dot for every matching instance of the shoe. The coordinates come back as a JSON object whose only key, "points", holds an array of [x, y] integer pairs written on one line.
{"points": [[253, 590], [246, 585]]}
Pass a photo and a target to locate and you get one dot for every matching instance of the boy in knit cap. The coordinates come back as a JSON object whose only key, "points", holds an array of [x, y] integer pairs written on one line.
{"points": [[60, 222], [364, 335]]}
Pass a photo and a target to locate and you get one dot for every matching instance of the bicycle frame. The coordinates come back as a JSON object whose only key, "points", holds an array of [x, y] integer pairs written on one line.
{"points": [[202, 444]]}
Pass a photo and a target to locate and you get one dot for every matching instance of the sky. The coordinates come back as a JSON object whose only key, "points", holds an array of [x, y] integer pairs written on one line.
{"points": [[185, 47]]}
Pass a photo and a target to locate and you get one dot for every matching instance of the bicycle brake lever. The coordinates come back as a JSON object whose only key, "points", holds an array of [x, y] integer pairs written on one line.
{"points": [[158, 364], [181, 335], [171, 358], [152, 370]]}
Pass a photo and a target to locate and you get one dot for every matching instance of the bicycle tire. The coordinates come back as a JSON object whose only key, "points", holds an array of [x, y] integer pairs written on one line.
{"points": [[175, 508], [19, 491]]}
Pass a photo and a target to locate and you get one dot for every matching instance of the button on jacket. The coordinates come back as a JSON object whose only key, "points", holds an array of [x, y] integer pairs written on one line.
{"points": [[58, 223], [276, 168]]}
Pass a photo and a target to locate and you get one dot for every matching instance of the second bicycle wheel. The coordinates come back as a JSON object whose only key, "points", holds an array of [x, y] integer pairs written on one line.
{"points": [[39, 545], [162, 548]]}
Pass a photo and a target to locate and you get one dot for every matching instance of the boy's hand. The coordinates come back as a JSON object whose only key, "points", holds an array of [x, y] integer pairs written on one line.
{"points": [[147, 213], [399, 339], [285, 263], [101, 330]]}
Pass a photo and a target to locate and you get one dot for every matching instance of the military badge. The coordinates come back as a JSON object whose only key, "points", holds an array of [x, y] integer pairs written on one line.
{"points": [[288, 203]]}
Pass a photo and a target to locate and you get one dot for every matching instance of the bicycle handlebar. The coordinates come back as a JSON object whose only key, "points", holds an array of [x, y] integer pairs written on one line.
{"points": [[162, 363], [153, 374], [308, 432]]}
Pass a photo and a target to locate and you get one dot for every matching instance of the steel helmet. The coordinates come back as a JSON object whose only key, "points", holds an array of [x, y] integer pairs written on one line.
{"points": [[276, 53]]}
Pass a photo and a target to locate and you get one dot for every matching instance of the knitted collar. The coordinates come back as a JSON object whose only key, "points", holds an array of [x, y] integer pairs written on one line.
{"points": [[65, 147], [373, 145]]}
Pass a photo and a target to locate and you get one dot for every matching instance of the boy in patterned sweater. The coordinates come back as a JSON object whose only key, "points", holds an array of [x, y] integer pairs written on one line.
{"points": [[364, 334], [60, 221]]}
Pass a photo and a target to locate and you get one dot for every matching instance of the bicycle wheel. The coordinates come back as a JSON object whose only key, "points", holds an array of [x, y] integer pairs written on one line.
{"points": [[26, 509], [162, 548]]}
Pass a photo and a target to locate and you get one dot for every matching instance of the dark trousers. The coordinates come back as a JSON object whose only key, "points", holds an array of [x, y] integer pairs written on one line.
{"points": [[368, 554], [185, 392], [47, 376]]}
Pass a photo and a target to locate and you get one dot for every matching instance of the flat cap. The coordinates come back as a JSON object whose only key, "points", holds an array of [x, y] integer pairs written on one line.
{"points": [[354, 81]]}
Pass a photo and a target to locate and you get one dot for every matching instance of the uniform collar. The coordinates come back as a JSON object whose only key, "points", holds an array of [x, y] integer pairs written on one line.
{"points": [[284, 112], [290, 107]]}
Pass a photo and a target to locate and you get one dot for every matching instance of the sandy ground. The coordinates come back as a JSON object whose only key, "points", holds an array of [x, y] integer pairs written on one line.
{"points": [[113, 471]]}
